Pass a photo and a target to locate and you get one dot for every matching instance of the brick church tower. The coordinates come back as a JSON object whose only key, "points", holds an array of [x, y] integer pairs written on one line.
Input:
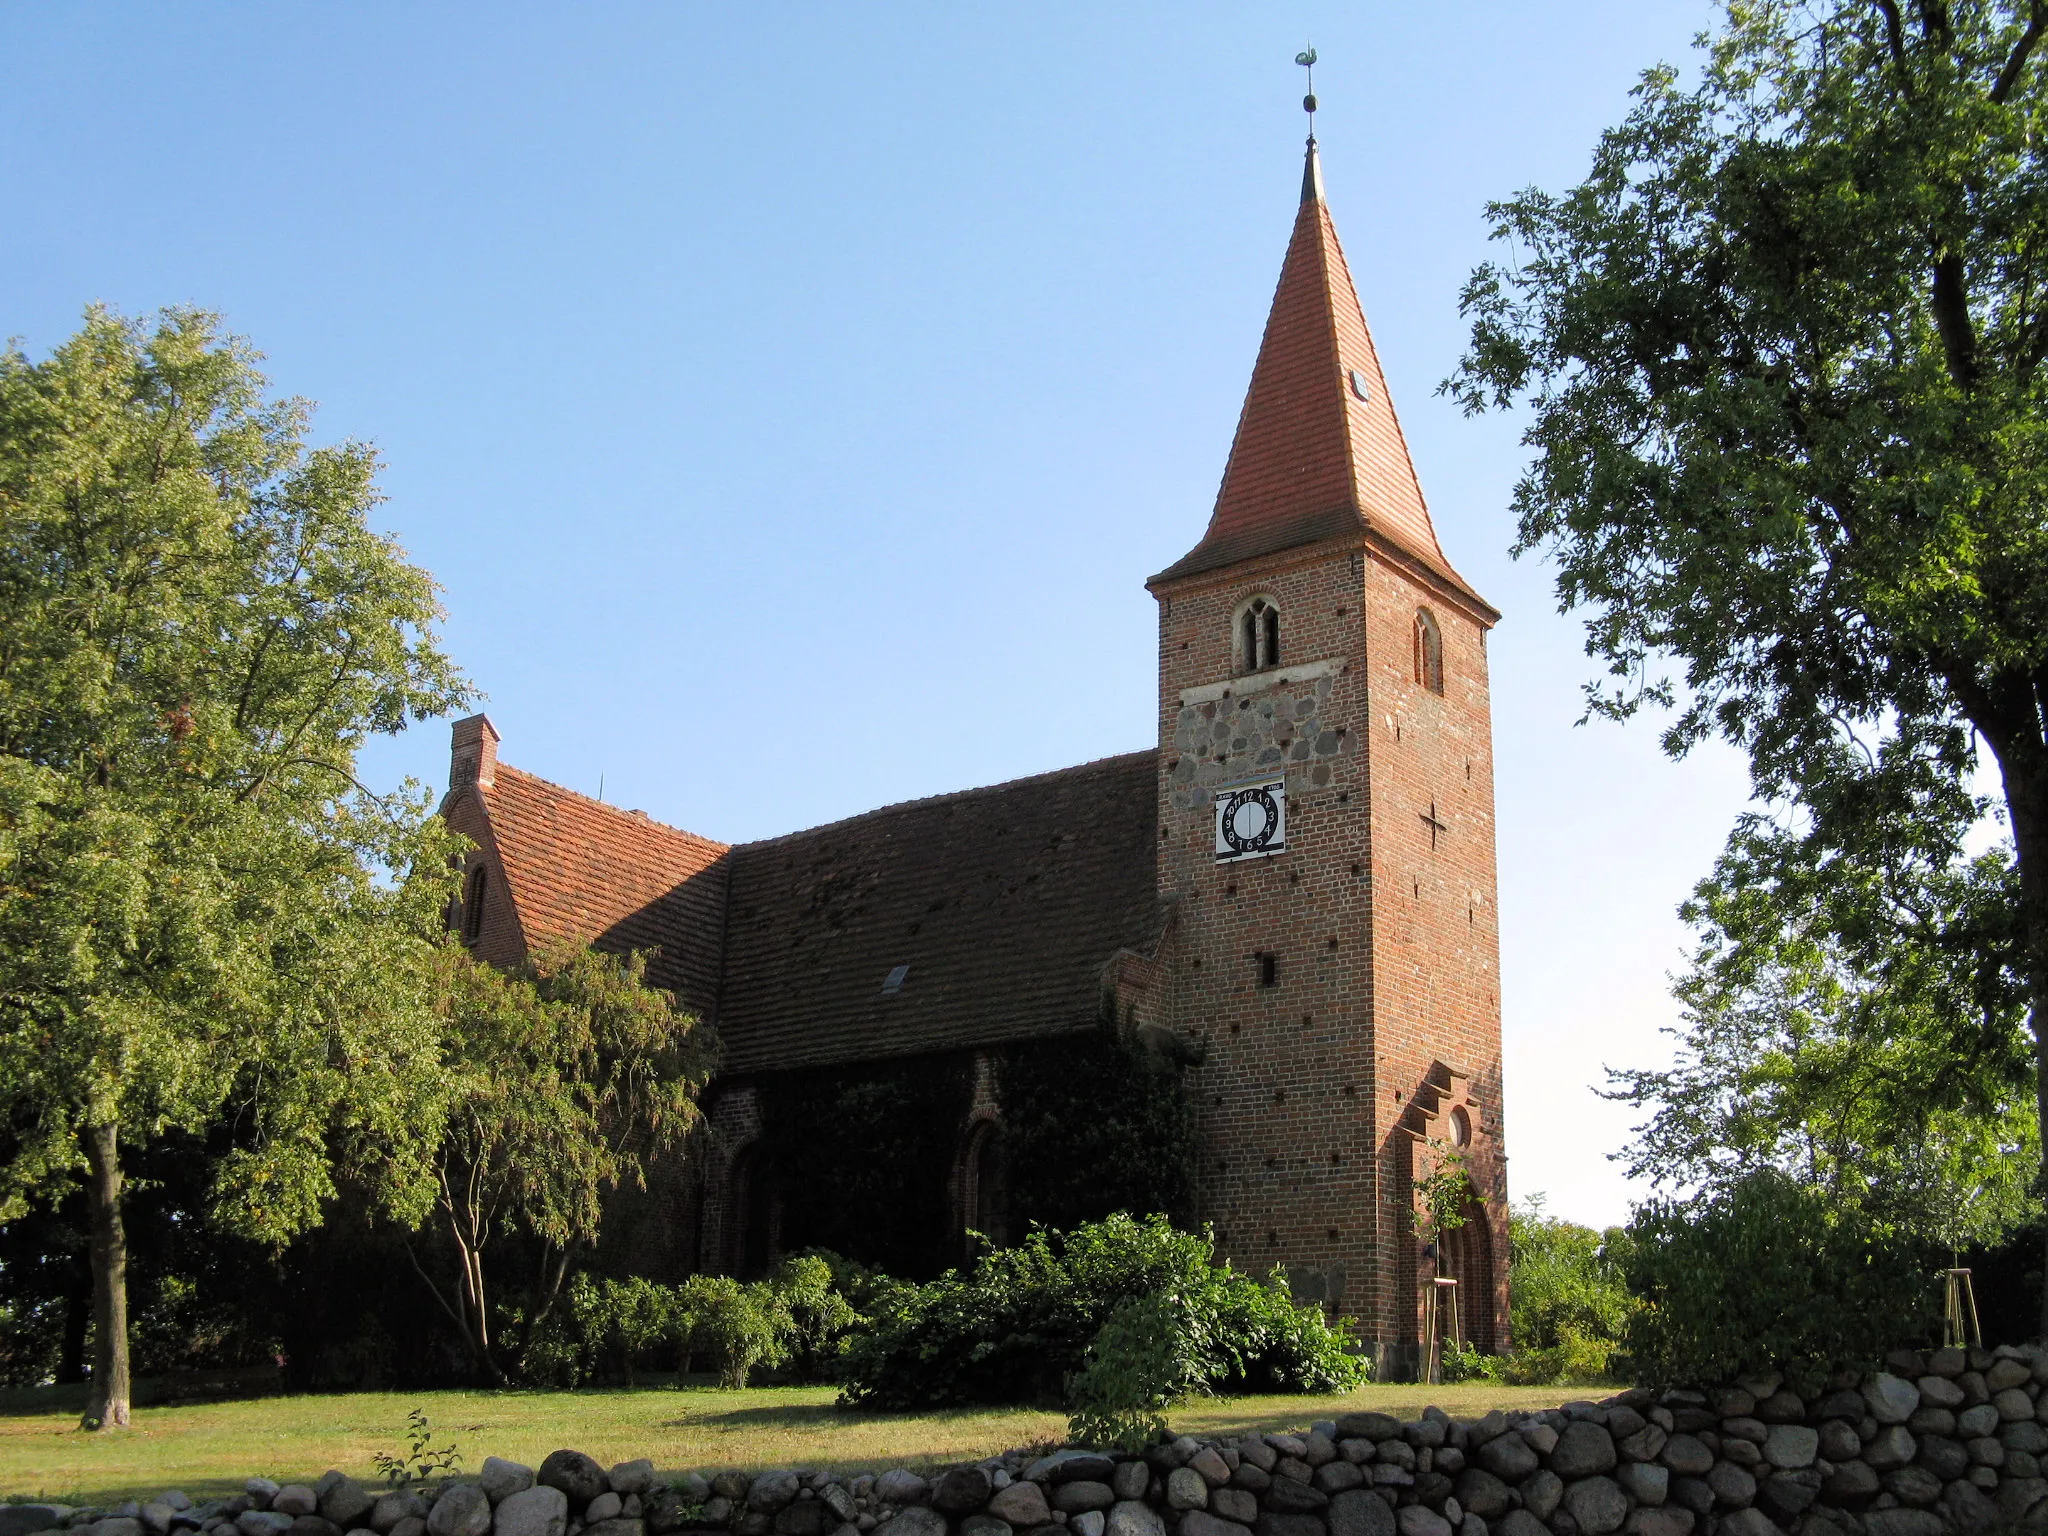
{"points": [[1326, 834]]}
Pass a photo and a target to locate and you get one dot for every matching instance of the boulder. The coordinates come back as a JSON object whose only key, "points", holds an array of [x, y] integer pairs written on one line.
{"points": [[1946, 1459], [1734, 1488], [1186, 1490], [1939, 1392], [461, 1510], [806, 1517], [606, 1506], [1084, 1493], [2028, 1437], [1541, 1437], [295, 1499], [1420, 1520], [1646, 1444], [1023, 1505], [1237, 1505], [1583, 1449], [1670, 1521], [836, 1497], [1979, 1419], [411, 1525], [2012, 1404], [2007, 1372], [1131, 1479], [1597, 1504], [1892, 1446], [1208, 1462], [980, 1525], [531, 1511], [1252, 1477], [263, 1522], [1542, 1492], [915, 1521], [1289, 1525], [1199, 1522], [1483, 1493], [1966, 1508], [346, 1502], [668, 1509], [1072, 1467], [1851, 1484], [1357, 1513], [1287, 1497], [1902, 1522], [900, 1486], [1788, 1495], [1838, 1441], [1643, 1482], [1089, 1522], [768, 1494], [1333, 1476], [1749, 1522], [579, 1477], [1915, 1486], [1518, 1522], [1128, 1517], [1687, 1455], [1508, 1457], [618, 1525], [1692, 1493], [1890, 1399], [632, 1477], [499, 1480], [1783, 1406], [302, 1525], [1368, 1426], [962, 1491], [1791, 1446]]}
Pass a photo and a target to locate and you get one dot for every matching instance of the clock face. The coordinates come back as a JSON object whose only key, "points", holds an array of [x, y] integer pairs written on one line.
{"points": [[1251, 821]]}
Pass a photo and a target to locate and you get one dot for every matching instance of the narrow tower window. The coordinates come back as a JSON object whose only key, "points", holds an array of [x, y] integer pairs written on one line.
{"points": [[1258, 635], [1429, 651], [473, 905]]}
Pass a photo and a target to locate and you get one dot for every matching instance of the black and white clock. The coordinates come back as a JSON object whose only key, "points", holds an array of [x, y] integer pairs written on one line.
{"points": [[1251, 821]]}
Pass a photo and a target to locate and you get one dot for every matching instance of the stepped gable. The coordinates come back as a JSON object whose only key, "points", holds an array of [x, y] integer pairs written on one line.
{"points": [[1311, 460], [617, 879], [1006, 904]]}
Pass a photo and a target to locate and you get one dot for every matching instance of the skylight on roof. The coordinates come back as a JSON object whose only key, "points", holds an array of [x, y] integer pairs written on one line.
{"points": [[893, 982]]}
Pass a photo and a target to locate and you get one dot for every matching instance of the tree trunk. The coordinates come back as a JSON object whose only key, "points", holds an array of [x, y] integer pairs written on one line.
{"points": [[2023, 764], [106, 1403]]}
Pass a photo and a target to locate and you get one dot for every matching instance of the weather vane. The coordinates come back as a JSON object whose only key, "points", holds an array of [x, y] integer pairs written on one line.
{"points": [[1307, 60]]}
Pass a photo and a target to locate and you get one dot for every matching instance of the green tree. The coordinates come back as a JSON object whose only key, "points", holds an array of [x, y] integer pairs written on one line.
{"points": [[198, 631], [1569, 1297], [1874, 1072], [563, 1081], [1783, 356]]}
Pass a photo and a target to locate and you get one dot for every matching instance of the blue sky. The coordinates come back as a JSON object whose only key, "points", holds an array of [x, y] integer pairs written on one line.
{"points": [[793, 399]]}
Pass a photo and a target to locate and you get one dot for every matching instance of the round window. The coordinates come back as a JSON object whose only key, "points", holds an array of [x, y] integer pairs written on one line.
{"points": [[1461, 1127]]}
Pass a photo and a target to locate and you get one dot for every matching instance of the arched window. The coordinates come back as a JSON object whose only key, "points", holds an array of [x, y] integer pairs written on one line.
{"points": [[1258, 635], [984, 1191], [1429, 651], [473, 905]]}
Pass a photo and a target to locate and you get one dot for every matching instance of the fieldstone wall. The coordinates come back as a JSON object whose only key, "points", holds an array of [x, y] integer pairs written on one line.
{"points": [[1941, 1441]]}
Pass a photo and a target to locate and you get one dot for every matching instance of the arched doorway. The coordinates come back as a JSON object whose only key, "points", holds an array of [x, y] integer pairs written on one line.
{"points": [[1466, 1256], [754, 1214], [984, 1187]]}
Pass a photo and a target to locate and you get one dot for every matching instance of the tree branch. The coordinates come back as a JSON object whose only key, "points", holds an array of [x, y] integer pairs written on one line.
{"points": [[2008, 77], [1895, 39], [1952, 319]]}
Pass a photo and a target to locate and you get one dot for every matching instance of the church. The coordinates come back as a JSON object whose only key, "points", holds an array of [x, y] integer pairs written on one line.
{"points": [[1286, 906]]}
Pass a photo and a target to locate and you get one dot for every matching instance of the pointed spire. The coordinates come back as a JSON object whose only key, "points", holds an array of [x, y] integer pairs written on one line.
{"points": [[1319, 452]]}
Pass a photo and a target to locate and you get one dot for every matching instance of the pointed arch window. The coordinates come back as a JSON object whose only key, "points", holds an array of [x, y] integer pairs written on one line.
{"points": [[1429, 651], [473, 905], [1258, 635]]}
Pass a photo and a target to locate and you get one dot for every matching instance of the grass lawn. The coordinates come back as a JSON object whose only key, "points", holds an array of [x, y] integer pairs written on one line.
{"points": [[209, 1448]]}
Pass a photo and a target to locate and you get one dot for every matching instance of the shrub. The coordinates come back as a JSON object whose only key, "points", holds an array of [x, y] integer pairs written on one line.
{"points": [[1767, 1274], [1020, 1324], [1571, 1302]]}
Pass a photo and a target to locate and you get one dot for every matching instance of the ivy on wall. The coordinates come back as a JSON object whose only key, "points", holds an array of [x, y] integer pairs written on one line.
{"points": [[1093, 1124]]}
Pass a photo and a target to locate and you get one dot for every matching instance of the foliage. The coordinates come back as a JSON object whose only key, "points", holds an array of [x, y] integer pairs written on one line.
{"points": [[1445, 1193], [1871, 1074], [562, 1082], [1783, 353], [1765, 1273], [1094, 1124], [1137, 1366], [820, 1316], [421, 1458], [859, 1159], [1017, 1326], [1569, 1298], [199, 918]]}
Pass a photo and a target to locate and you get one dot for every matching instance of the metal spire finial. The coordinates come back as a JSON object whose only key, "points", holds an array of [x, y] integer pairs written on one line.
{"points": [[1307, 60]]}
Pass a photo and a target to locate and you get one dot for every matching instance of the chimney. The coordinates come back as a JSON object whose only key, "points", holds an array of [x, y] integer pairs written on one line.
{"points": [[473, 756]]}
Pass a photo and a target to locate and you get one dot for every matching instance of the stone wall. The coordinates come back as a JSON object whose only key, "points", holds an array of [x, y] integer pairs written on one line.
{"points": [[1939, 1442]]}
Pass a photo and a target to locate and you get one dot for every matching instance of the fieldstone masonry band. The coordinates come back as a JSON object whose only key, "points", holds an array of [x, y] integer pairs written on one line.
{"points": [[1941, 1441]]}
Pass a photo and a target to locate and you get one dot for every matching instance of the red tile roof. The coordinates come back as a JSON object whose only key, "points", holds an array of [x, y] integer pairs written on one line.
{"points": [[1005, 904], [1311, 460], [575, 867]]}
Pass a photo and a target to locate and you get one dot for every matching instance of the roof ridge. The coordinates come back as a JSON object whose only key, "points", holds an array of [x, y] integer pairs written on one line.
{"points": [[632, 819], [1071, 770]]}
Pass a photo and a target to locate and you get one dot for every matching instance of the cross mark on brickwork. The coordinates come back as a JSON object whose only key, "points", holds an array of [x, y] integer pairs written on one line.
{"points": [[1436, 827]]}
